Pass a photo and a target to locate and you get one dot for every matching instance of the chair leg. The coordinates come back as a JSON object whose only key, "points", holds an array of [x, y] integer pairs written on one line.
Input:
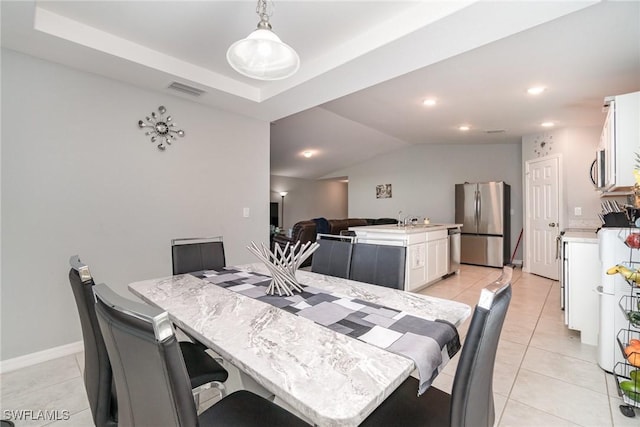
{"points": [[214, 384]]}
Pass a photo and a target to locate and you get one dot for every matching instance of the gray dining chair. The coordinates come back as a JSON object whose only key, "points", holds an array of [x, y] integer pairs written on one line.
{"points": [[151, 377], [97, 368], [382, 265], [333, 256], [204, 372], [470, 403], [197, 253]]}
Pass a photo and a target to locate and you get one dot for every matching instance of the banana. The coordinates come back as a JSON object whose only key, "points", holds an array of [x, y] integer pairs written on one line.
{"points": [[632, 275]]}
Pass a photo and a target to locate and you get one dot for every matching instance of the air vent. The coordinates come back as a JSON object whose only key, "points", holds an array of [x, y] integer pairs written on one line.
{"points": [[495, 131], [186, 89]]}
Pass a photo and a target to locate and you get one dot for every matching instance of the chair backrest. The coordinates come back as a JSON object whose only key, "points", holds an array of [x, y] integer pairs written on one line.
{"points": [[148, 367], [97, 369], [196, 254], [472, 395], [333, 256], [378, 264]]}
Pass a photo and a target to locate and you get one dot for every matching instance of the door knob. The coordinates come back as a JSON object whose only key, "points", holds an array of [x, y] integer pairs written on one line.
{"points": [[552, 224]]}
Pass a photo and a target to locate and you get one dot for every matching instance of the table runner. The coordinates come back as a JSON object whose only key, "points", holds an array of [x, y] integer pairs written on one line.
{"points": [[429, 343]]}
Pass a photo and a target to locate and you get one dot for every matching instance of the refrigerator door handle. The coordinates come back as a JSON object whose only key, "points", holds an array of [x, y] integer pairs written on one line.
{"points": [[479, 208], [476, 213]]}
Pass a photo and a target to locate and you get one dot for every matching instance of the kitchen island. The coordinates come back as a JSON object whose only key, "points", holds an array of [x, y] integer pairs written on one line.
{"points": [[428, 249]]}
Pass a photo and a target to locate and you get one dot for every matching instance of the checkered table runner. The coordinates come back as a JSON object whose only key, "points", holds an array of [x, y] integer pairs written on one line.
{"points": [[430, 344]]}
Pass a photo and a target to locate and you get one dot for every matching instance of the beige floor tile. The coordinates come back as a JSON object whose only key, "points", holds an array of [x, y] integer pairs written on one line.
{"points": [[611, 385], [517, 333], [499, 403], [65, 396], [504, 377], [444, 382], [42, 375], [517, 414], [564, 341], [561, 399], [80, 361], [620, 420], [80, 419], [555, 325], [510, 352], [565, 368]]}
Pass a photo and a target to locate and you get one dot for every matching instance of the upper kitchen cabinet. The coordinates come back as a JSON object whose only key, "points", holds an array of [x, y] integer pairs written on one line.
{"points": [[620, 141]]}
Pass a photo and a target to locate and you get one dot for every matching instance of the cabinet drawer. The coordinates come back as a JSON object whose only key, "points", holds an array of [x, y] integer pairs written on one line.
{"points": [[436, 235], [414, 238]]}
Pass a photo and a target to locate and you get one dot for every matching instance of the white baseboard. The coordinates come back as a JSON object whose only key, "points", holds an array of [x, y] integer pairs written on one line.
{"points": [[40, 356], [517, 262]]}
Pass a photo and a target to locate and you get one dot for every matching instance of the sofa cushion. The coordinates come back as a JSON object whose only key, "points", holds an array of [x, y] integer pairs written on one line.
{"points": [[357, 222], [337, 225]]}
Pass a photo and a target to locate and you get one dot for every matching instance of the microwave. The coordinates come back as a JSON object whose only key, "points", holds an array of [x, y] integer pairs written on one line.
{"points": [[599, 170]]}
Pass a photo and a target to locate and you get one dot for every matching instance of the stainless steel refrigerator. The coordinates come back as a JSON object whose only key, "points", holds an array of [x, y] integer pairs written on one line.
{"points": [[483, 209]]}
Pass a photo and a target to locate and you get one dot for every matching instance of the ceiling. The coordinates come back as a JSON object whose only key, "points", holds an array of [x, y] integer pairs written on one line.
{"points": [[366, 66]]}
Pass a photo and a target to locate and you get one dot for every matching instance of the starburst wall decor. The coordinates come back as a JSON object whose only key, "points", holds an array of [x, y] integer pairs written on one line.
{"points": [[160, 129]]}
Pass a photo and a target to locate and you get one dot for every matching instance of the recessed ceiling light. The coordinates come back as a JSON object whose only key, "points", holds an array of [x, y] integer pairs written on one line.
{"points": [[536, 90], [307, 154], [430, 102], [464, 128], [547, 124]]}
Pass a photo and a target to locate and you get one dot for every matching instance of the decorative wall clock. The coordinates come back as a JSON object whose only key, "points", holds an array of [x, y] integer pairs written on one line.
{"points": [[160, 129], [543, 145]]}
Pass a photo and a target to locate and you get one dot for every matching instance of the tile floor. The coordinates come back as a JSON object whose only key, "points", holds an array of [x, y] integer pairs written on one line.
{"points": [[544, 376]]}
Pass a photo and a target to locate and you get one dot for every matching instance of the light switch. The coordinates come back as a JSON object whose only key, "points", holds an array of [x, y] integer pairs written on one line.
{"points": [[577, 211], [245, 212]]}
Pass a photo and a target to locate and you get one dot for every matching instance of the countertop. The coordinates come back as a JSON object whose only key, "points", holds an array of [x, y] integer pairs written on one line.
{"points": [[405, 229], [580, 235]]}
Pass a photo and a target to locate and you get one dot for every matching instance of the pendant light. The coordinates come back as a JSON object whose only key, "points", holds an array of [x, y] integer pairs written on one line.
{"points": [[262, 55]]}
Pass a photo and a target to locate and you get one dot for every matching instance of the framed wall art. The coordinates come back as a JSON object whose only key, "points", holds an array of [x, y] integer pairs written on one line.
{"points": [[383, 191]]}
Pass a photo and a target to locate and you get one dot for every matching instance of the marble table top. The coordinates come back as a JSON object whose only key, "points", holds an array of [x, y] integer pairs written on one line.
{"points": [[329, 378]]}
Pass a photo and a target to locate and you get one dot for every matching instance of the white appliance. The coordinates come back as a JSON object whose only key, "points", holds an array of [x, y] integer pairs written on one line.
{"points": [[612, 251]]}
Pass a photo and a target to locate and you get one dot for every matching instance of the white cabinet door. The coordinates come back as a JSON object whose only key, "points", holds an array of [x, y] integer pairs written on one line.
{"points": [[581, 279], [606, 143], [437, 259], [416, 270], [620, 136], [443, 258], [626, 139]]}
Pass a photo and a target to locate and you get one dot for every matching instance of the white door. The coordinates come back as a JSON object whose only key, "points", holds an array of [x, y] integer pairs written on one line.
{"points": [[542, 221]]}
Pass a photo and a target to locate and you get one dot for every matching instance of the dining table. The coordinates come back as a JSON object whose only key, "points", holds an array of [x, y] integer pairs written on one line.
{"points": [[327, 355]]}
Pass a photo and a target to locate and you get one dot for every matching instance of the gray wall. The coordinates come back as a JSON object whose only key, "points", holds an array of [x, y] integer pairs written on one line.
{"points": [[307, 199], [578, 149], [423, 179], [79, 177]]}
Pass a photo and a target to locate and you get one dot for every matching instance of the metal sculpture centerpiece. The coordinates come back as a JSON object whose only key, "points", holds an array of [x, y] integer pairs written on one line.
{"points": [[282, 264], [161, 129]]}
